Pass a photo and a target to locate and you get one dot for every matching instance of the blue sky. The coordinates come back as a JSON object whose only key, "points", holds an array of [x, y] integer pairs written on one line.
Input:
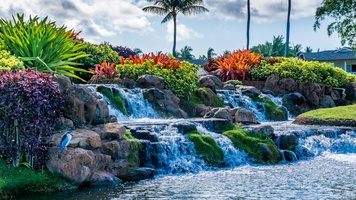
{"points": [[123, 23]]}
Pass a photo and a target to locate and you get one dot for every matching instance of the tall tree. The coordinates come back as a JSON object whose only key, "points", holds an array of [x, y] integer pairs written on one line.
{"points": [[185, 52], [344, 14], [171, 8], [308, 49], [288, 29], [248, 25], [210, 53]]}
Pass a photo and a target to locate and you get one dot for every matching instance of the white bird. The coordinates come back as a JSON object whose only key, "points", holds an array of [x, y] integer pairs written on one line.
{"points": [[65, 140]]}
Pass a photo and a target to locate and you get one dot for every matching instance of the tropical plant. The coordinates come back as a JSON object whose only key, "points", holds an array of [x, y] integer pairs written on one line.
{"points": [[42, 45], [7, 61], [308, 49], [30, 103], [98, 53], [106, 70], [210, 65], [137, 51], [237, 64], [274, 48], [294, 50], [185, 53], [123, 51], [179, 77], [210, 53], [344, 14], [171, 8]]}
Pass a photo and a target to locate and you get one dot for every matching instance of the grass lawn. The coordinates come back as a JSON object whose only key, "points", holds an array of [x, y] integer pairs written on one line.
{"points": [[25, 181], [335, 113]]}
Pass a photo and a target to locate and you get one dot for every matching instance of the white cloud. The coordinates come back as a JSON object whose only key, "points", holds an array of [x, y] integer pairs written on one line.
{"points": [[183, 33]]}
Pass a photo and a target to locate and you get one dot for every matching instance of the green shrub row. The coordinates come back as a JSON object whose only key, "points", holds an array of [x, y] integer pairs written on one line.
{"points": [[302, 71]]}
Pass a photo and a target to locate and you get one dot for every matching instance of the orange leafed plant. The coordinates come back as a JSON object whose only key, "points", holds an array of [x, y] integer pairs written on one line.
{"points": [[166, 61], [237, 64], [104, 70]]}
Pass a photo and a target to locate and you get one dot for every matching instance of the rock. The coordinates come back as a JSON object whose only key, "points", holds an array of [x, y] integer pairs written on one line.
{"points": [[184, 127], [151, 81], [164, 102], [83, 107], [63, 81], [144, 135], [63, 123], [272, 84], [128, 83], [200, 110], [289, 155], [297, 98], [245, 116], [261, 129], [327, 102], [207, 96], [139, 174], [312, 93], [117, 149], [228, 87], [287, 85], [287, 141], [249, 91], [110, 131], [210, 81], [74, 163], [350, 91], [269, 155], [295, 103], [221, 113], [83, 138], [103, 177], [120, 167]]}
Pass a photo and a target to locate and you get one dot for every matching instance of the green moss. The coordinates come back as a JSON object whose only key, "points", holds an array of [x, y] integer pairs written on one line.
{"points": [[207, 147], [115, 98], [135, 147], [335, 113], [273, 111], [218, 102], [21, 181], [249, 143]]}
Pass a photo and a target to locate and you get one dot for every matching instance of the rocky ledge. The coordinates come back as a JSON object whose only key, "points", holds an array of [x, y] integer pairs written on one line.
{"points": [[301, 120]]}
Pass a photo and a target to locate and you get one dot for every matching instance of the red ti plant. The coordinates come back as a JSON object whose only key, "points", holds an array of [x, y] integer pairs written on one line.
{"points": [[104, 70], [210, 65], [235, 66], [166, 61]]}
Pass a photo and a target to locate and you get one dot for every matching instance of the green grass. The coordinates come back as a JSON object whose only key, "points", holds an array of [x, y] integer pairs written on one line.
{"points": [[21, 181], [207, 147], [248, 142], [335, 113], [115, 98]]}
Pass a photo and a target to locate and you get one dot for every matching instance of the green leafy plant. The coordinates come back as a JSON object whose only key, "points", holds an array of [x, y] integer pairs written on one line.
{"points": [[42, 45], [7, 61]]}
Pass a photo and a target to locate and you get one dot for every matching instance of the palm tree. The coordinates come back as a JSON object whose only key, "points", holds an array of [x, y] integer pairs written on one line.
{"points": [[288, 28], [171, 8], [248, 25], [210, 53], [137, 51], [293, 51], [308, 49], [186, 52]]}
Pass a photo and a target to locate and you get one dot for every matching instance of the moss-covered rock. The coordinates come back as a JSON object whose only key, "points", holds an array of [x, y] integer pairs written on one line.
{"points": [[207, 147], [135, 148], [272, 110], [115, 98], [257, 146]]}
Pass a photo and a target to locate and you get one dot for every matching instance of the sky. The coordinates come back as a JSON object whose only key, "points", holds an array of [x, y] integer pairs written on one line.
{"points": [[123, 23]]}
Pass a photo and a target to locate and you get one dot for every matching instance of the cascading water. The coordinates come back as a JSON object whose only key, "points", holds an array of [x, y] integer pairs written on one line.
{"points": [[172, 153], [233, 157], [235, 99]]}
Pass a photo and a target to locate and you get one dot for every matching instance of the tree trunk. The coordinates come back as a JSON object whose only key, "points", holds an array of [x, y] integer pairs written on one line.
{"points": [[174, 36], [288, 29], [248, 25]]}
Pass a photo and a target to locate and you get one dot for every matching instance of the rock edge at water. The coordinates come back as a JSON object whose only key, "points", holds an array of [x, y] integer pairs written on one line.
{"points": [[301, 120]]}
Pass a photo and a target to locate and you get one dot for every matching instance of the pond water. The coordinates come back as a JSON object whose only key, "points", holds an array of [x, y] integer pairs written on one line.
{"points": [[327, 176]]}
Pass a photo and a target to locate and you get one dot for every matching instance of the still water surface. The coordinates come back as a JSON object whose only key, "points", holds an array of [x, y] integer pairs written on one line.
{"points": [[328, 176]]}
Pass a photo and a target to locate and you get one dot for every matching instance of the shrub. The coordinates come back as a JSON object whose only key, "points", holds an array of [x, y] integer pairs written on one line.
{"points": [[7, 61], [42, 45], [29, 104], [97, 55], [302, 71], [179, 77], [104, 71], [237, 64], [123, 51]]}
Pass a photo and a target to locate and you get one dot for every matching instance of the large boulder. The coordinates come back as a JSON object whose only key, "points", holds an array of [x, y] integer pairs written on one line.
{"points": [[220, 113], [280, 86], [207, 96], [151, 81], [312, 93], [295, 103], [211, 81], [245, 116], [164, 102], [110, 131], [117, 149], [83, 138], [327, 102], [83, 107], [286, 141], [201, 110], [249, 91], [138, 174], [350, 91]]}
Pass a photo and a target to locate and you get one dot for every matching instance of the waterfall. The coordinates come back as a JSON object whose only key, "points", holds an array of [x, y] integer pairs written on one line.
{"points": [[279, 101], [235, 99], [233, 157], [136, 105], [172, 153]]}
